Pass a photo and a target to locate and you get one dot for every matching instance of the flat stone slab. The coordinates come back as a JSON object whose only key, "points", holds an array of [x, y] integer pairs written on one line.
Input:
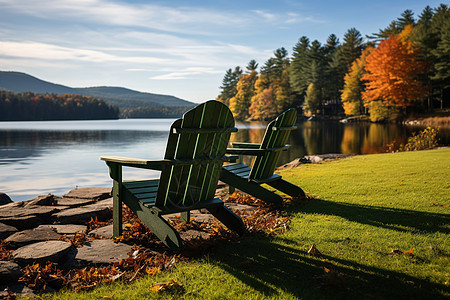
{"points": [[202, 217], [6, 230], [9, 271], [194, 234], [31, 236], [94, 193], [101, 252], [83, 214], [19, 289], [74, 202], [46, 200], [26, 217], [105, 231], [237, 206], [107, 203], [42, 252], [65, 229]]}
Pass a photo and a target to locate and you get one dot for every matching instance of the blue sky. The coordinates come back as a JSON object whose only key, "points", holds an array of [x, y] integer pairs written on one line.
{"points": [[180, 48]]}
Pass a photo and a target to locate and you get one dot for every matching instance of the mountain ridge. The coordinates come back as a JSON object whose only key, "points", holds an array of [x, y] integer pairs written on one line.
{"points": [[123, 98]]}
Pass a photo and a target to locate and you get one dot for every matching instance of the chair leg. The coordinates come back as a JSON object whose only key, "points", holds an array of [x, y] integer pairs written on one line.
{"points": [[288, 188], [186, 216], [250, 187], [117, 209], [228, 218], [162, 229], [156, 223]]}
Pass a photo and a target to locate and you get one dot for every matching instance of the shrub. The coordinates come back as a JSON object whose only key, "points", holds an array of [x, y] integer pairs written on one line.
{"points": [[425, 139]]}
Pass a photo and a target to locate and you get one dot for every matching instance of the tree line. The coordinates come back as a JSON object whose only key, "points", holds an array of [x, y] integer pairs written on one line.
{"points": [[402, 68], [38, 107]]}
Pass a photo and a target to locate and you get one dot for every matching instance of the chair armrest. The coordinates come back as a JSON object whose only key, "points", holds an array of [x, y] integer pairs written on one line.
{"points": [[245, 145], [255, 152], [136, 162]]}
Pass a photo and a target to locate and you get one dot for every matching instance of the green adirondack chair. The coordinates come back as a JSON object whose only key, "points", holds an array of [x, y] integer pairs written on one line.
{"points": [[249, 179], [190, 171]]}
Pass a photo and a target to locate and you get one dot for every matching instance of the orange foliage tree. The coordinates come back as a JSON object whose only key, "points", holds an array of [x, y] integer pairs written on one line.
{"points": [[392, 70]]}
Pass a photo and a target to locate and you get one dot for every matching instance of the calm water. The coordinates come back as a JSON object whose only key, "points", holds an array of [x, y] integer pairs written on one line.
{"points": [[37, 158]]}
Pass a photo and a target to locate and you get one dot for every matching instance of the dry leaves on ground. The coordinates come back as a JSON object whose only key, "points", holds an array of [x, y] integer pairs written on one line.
{"points": [[264, 219]]}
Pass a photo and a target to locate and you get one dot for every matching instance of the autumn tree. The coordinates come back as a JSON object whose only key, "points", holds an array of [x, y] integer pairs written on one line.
{"points": [[353, 86], [392, 69], [240, 103], [312, 99]]}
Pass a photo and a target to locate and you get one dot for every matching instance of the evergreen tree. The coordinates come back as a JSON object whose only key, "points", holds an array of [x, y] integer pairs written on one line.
{"points": [[442, 57], [252, 66], [229, 85], [299, 66]]}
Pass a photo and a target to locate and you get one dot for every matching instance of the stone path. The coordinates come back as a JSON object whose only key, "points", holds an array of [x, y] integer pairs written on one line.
{"points": [[38, 231]]}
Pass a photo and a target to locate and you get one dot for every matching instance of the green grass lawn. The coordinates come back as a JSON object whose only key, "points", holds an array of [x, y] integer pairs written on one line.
{"points": [[360, 209]]}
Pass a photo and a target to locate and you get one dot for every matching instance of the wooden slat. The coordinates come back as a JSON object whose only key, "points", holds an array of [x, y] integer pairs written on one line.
{"points": [[143, 190], [265, 164], [144, 183], [236, 167]]}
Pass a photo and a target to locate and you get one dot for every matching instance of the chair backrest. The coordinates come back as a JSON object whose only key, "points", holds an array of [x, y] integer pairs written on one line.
{"points": [[197, 144], [275, 138]]}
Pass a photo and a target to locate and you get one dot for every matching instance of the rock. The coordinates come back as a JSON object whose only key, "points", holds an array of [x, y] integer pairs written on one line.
{"points": [[194, 234], [74, 202], [201, 217], [82, 215], [26, 217], [94, 193], [107, 203], [42, 252], [17, 289], [307, 159], [31, 236], [105, 231], [65, 229], [101, 252], [294, 164], [4, 199], [46, 200], [9, 271], [237, 206], [6, 230], [319, 158]]}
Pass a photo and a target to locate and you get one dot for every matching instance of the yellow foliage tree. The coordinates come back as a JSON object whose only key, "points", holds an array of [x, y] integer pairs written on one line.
{"points": [[353, 86]]}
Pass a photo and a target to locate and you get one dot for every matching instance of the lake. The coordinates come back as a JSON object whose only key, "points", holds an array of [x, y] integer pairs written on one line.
{"points": [[38, 158]]}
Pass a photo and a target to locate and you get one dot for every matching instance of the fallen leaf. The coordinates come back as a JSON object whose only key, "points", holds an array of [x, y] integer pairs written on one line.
{"points": [[314, 251], [170, 286], [411, 251]]}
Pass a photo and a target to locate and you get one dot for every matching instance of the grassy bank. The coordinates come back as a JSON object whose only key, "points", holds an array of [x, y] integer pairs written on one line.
{"points": [[380, 223]]}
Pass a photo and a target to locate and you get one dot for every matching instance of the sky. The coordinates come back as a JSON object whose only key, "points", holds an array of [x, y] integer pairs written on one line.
{"points": [[178, 47]]}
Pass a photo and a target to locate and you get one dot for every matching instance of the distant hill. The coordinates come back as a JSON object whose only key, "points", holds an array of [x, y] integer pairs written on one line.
{"points": [[125, 99]]}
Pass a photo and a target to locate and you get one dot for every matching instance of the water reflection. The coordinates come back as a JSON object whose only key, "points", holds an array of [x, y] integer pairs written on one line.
{"points": [[53, 157]]}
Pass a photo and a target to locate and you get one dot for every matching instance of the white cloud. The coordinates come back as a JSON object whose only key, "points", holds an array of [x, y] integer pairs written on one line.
{"points": [[53, 52]]}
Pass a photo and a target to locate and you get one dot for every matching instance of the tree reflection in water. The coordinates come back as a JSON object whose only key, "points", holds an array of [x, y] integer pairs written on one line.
{"points": [[37, 159]]}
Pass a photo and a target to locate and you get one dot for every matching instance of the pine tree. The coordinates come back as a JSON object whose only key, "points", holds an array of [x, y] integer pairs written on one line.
{"points": [[229, 85], [252, 66]]}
